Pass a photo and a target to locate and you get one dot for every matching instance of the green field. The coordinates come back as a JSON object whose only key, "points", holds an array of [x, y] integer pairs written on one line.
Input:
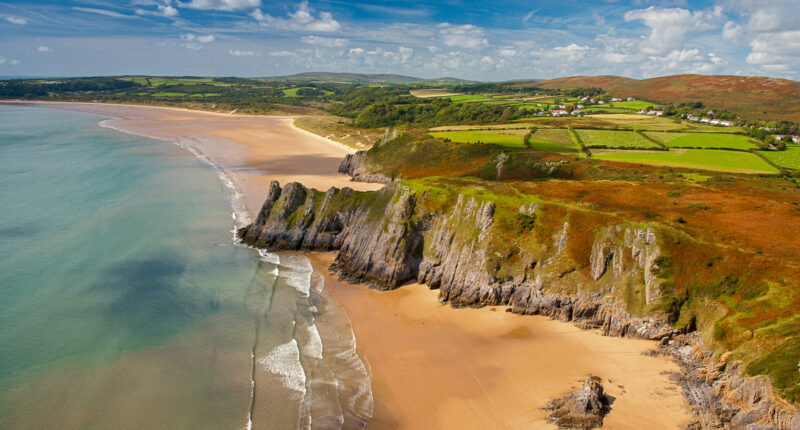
{"points": [[472, 98], [556, 135], [703, 140], [790, 158], [707, 159], [634, 105], [614, 139], [509, 138], [206, 95], [168, 94]]}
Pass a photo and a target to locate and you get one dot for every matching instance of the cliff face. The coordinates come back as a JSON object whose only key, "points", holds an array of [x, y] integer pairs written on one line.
{"points": [[491, 246], [396, 235]]}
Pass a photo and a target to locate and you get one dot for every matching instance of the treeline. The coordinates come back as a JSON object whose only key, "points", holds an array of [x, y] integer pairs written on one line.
{"points": [[34, 89], [381, 107]]}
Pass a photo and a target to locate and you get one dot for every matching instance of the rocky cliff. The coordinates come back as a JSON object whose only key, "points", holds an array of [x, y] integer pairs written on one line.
{"points": [[488, 245]]}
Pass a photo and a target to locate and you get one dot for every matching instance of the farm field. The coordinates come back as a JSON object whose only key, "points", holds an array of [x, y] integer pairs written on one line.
{"points": [[511, 138], [703, 140], [790, 158], [556, 135], [614, 139], [708, 159], [432, 93]]}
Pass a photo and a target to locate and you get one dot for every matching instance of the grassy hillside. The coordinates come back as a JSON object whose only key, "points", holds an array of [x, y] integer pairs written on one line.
{"points": [[752, 97]]}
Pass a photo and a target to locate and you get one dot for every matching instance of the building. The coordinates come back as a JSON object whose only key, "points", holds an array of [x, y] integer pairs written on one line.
{"points": [[559, 112], [630, 99], [616, 99], [715, 122], [659, 113], [796, 139], [726, 123], [705, 120]]}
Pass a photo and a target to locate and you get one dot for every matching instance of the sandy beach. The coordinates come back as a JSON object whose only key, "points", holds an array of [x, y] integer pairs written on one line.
{"points": [[252, 149], [432, 367]]}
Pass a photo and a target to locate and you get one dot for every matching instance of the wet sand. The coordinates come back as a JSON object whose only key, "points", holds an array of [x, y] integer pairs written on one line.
{"points": [[432, 366]]}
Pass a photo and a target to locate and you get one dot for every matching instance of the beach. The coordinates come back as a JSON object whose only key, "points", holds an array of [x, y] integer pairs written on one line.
{"points": [[431, 366]]}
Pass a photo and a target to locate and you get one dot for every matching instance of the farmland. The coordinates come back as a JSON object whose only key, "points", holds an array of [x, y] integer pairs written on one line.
{"points": [[703, 140], [614, 139], [790, 158], [721, 161]]}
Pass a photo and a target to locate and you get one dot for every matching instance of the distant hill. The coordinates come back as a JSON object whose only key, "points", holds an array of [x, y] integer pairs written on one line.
{"points": [[367, 78], [752, 97]]}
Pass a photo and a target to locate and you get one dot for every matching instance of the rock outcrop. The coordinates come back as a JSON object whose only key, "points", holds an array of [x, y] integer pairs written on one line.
{"points": [[473, 251], [582, 409], [355, 165]]}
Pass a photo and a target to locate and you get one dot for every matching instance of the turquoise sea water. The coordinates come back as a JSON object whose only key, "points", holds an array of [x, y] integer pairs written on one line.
{"points": [[125, 304]]}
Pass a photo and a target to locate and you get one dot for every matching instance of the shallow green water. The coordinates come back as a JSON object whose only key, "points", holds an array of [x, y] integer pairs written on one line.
{"points": [[125, 304]]}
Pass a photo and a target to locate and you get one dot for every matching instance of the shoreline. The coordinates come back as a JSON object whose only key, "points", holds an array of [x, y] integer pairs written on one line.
{"points": [[431, 365], [434, 366]]}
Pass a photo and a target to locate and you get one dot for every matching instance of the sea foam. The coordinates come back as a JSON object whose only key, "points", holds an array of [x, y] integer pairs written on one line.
{"points": [[284, 361]]}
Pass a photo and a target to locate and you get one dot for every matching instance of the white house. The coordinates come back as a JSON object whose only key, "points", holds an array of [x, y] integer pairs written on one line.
{"points": [[659, 113], [705, 120], [726, 123], [630, 99], [692, 118], [559, 112], [796, 139], [577, 112], [616, 99], [579, 106], [601, 102], [715, 121]]}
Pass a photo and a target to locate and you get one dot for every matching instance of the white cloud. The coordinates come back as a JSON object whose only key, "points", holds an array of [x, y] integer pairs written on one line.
{"points": [[301, 19], [164, 9], [776, 51], [326, 42], [507, 52], [15, 62], [110, 13], [195, 42], [44, 49], [732, 32], [283, 54], [240, 53], [16, 20], [2, 60], [433, 49], [462, 36], [669, 27], [227, 5]]}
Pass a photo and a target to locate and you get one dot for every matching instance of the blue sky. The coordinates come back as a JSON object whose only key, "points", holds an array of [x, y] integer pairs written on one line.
{"points": [[487, 40]]}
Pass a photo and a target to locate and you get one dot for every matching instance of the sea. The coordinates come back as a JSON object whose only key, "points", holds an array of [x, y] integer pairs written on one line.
{"points": [[126, 303]]}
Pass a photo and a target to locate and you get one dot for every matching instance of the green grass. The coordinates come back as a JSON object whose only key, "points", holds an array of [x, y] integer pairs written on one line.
{"points": [[703, 140], [556, 135], [614, 139], [168, 94], [470, 98], [206, 95], [708, 159], [636, 105], [790, 158], [512, 138]]}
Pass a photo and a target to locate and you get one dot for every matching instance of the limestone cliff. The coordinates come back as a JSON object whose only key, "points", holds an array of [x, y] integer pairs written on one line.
{"points": [[488, 245]]}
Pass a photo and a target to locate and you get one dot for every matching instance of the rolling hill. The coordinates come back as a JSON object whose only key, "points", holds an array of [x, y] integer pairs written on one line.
{"points": [[752, 97], [369, 78]]}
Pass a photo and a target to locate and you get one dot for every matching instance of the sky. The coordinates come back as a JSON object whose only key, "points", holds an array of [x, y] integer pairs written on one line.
{"points": [[481, 40]]}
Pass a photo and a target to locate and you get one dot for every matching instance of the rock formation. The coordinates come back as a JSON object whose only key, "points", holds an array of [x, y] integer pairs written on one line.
{"points": [[582, 409]]}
